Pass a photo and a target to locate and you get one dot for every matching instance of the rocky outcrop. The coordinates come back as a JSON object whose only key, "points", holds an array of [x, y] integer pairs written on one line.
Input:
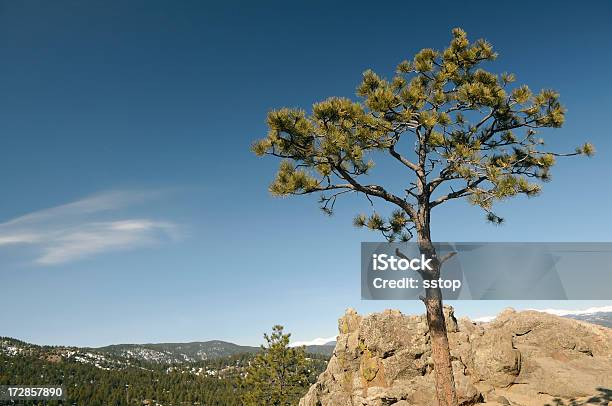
{"points": [[520, 358]]}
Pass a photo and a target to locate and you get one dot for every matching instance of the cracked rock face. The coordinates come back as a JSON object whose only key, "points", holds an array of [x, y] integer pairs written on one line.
{"points": [[521, 358]]}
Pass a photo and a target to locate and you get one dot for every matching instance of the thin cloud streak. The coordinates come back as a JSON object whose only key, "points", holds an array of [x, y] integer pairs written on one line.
{"points": [[99, 203], [73, 231]]}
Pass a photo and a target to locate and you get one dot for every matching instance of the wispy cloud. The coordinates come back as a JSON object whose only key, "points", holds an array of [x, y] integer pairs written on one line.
{"points": [[86, 227]]}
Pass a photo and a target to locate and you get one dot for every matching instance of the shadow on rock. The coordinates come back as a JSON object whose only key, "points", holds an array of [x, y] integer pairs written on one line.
{"points": [[604, 397]]}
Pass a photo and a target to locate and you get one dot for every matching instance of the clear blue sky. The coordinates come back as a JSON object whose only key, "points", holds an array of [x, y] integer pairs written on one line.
{"points": [[133, 211]]}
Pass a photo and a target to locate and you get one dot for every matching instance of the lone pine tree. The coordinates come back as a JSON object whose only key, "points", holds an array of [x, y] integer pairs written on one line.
{"points": [[279, 374], [454, 129]]}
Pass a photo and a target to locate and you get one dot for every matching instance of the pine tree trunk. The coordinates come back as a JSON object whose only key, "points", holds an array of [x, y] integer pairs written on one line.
{"points": [[440, 350]]}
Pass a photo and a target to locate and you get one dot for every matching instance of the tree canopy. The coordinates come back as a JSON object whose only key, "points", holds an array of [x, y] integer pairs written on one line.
{"points": [[457, 129]]}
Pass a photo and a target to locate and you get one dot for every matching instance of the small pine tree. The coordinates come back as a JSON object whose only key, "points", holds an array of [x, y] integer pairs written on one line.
{"points": [[279, 374]]}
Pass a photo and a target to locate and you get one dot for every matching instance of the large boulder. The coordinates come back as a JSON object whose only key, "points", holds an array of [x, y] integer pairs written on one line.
{"points": [[521, 358]]}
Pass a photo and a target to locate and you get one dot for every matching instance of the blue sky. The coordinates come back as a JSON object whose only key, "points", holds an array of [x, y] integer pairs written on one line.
{"points": [[133, 211]]}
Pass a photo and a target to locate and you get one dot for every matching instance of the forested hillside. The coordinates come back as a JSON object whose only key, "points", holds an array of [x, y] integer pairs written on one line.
{"points": [[93, 379]]}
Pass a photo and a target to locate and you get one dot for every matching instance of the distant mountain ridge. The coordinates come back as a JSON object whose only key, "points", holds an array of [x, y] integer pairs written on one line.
{"points": [[601, 318], [121, 355], [176, 353], [323, 349]]}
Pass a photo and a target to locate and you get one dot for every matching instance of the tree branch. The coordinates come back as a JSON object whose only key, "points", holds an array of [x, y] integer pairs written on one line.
{"points": [[378, 191], [403, 160], [458, 193]]}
